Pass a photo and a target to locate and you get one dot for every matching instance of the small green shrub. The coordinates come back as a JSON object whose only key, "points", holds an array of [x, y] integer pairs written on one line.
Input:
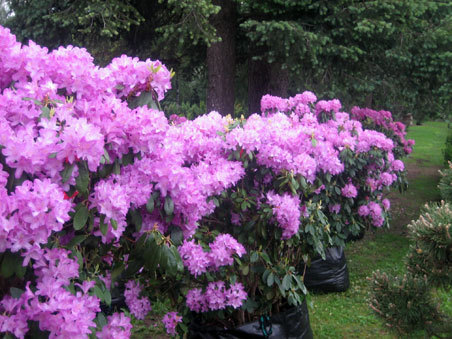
{"points": [[445, 184], [448, 148], [431, 251], [407, 304], [404, 303]]}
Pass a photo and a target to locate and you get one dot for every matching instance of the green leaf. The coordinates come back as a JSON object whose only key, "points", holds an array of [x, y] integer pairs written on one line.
{"points": [[150, 204], [265, 256], [144, 99], [101, 320], [80, 217], [16, 292], [270, 279], [254, 257], [152, 255], [177, 236], [117, 271], [107, 156], [114, 224], [287, 281], [137, 219], [102, 225], [300, 284], [8, 265], [82, 181], [67, 172], [98, 292], [169, 205], [78, 239], [107, 297], [116, 167], [45, 112], [245, 270]]}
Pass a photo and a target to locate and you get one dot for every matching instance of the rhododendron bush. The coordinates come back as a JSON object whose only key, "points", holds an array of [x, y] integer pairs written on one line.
{"points": [[103, 197]]}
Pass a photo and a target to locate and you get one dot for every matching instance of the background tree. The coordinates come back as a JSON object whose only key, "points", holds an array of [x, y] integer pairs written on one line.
{"points": [[394, 55]]}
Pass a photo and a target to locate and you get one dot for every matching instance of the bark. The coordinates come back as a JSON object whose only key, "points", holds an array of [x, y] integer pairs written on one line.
{"points": [[258, 82], [221, 60], [279, 80], [264, 78]]}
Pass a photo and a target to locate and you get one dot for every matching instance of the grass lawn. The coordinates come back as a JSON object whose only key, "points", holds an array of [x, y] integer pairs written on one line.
{"points": [[347, 315]]}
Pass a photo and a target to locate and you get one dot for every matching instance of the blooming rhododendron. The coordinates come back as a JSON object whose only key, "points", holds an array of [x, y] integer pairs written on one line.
{"points": [[139, 307], [98, 192], [286, 209], [170, 320]]}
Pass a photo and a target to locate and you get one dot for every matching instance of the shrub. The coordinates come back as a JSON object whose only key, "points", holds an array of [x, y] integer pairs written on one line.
{"points": [[448, 149], [431, 251], [102, 196], [406, 304], [445, 183]]}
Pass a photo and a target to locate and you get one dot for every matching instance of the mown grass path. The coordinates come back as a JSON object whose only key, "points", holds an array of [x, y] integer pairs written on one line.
{"points": [[347, 315]]}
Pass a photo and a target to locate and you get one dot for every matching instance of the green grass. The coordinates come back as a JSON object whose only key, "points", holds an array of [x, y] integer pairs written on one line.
{"points": [[430, 139], [347, 315]]}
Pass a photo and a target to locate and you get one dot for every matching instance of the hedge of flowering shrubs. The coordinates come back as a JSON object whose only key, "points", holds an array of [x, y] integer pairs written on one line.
{"points": [[103, 196]]}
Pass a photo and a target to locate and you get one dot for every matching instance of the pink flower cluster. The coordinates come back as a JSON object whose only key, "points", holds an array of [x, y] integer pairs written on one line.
{"points": [[286, 209], [139, 307], [384, 121], [221, 251], [170, 320], [118, 326], [216, 297], [56, 309], [349, 191], [30, 214], [374, 211]]}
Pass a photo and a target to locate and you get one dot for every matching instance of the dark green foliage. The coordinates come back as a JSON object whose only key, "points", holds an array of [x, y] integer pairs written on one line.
{"points": [[431, 252], [404, 303], [190, 111], [445, 184], [448, 149]]}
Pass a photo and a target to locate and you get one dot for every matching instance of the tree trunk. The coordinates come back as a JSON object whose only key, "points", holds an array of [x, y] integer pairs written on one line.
{"points": [[221, 60], [265, 78], [279, 80]]}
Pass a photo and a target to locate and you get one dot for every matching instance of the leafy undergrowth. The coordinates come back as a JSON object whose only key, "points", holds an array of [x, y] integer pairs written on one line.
{"points": [[347, 315]]}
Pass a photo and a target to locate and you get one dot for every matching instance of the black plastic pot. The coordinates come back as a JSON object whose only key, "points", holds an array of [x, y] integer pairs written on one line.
{"points": [[291, 324], [329, 275]]}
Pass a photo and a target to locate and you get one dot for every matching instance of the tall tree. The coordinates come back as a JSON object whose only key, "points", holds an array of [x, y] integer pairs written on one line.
{"points": [[221, 60]]}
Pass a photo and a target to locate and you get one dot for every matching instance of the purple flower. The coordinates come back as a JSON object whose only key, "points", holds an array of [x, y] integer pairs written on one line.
{"points": [[170, 320], [194, 258], [139, 307], [118, 326], [286, 209], [235, 295], [386, 204], [398, 165], [363, 211], [386, 179], [215, 295], [349, 191], [335, 208], [196, 301]]}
